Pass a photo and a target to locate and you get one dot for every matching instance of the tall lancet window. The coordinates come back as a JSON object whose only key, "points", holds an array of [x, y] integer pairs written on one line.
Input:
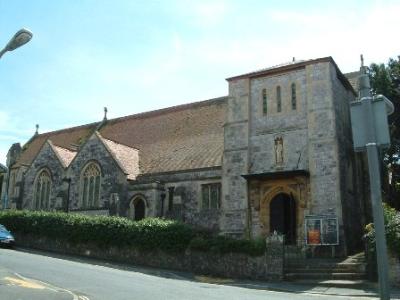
{"points": [[42, 190], [264, 101], [294, 104], [278, 99], [91, 185]]}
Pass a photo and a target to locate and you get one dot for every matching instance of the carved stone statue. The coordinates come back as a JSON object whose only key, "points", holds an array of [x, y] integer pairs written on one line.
{"points": [[279, 150]]}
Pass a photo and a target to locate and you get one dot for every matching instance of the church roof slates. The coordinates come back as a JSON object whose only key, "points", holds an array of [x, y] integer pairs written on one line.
{"points": [[65, 155], [179, 138], [66, 138]]}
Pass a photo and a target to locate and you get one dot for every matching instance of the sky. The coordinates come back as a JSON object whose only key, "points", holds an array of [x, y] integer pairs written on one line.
{"points": [[135, 56]]}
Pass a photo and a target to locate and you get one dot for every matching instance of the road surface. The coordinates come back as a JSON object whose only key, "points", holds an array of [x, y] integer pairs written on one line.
{"points": [[40, 275]]}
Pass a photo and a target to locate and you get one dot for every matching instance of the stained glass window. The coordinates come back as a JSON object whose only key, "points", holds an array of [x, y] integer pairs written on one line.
{"points": [[91, 186], [42, 190]]}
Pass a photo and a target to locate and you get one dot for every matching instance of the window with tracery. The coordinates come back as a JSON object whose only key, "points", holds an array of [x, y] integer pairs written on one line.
{"points": [[42, 190], [91, 186]]}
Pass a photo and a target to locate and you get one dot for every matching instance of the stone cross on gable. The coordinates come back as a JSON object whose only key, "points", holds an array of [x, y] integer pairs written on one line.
{"points": [[105, 113]]}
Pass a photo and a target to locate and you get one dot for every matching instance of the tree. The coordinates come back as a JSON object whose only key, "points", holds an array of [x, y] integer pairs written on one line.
{"points": [[385, 80]]}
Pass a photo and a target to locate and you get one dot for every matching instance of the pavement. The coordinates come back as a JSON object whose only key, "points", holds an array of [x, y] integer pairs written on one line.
{"points": [[340, 288]]}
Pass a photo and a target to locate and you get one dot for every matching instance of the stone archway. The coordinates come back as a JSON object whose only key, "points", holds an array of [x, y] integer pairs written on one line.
{"points": [[137, 208], [282, 209], [296, 189]]}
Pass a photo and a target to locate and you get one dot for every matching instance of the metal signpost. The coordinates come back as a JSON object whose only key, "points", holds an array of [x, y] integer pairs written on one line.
{"points": [[370, 131]]}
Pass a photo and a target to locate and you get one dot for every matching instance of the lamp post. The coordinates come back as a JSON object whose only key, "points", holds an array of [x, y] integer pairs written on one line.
{"points": [[20, 38]]}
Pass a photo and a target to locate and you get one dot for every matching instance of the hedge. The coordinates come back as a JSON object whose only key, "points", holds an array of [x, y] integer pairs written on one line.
{"points": [[392, 229], [104, 231]]}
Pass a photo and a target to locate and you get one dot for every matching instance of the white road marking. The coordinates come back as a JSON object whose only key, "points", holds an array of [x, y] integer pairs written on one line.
{"points": [[54, 288]]}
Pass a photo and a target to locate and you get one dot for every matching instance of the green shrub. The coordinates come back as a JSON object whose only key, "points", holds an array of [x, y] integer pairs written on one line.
{"points": [[103, 231], [168, 235], [392, 229]]}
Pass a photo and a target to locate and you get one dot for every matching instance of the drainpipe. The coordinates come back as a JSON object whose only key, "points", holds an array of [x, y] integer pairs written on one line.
{"points": [[67, 180]]}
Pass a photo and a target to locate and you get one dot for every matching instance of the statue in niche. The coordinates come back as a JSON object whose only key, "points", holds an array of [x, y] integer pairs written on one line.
{"points": [[279, 150]]}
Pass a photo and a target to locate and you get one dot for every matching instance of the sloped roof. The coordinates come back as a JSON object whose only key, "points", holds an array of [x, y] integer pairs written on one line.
{"points": [[126, 157], [183, 137], [65, 155], [177, 138], [66, 138]]}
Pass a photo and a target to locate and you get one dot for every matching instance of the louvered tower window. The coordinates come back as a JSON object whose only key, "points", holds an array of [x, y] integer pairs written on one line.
{"points": [[278, 99], [294, 104]]}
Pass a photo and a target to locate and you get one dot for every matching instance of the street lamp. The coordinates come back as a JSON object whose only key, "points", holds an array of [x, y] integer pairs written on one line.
{"points": [[20, 38]]}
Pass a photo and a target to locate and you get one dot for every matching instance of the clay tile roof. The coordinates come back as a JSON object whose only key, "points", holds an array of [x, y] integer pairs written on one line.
{"points": [[65, 155], [126, 157], [65, 138], [178, 138]]}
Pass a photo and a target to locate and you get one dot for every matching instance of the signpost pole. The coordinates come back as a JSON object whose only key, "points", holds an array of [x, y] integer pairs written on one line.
{"points": [[375, 184]]}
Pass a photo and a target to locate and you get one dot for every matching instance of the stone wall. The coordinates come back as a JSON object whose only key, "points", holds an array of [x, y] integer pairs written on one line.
{"points": [[235, 162], [233, 265], [290, 124], [113, 180], [394, 269], [350, 182], [186, 195], [46, 159]]}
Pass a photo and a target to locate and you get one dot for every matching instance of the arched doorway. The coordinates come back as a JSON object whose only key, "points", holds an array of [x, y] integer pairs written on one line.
{"points": [[283, 216], [137, 209]]}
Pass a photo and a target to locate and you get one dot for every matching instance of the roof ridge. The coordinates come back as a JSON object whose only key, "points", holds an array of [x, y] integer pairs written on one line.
{"points": [[142, 114], [174, 108], [113, 141], [66, 129], [282, 67], [66, 149]]}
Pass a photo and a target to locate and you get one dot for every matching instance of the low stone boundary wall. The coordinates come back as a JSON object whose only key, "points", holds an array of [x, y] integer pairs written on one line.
{"points": [[232, 265], [394, 270]]}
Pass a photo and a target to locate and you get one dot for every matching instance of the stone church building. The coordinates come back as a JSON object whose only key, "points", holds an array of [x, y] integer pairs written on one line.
{"points": [[276, 154]]}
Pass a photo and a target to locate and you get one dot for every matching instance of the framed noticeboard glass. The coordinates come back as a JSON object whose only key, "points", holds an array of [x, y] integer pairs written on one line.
{"points": [[321, 230]]}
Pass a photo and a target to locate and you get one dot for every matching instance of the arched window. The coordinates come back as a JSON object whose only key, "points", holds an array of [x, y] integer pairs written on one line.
{"points": [[278, 99], [91, 186], [42, 190], [137, 208], [294, 104], [264, 101]]}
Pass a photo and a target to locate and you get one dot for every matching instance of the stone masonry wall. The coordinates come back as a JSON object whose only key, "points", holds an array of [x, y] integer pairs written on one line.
{"points": [[289, 124], [351, 197], [113, 180], [187, 196], [323, 149], [233, 265], [234, 220], [46, 159]]}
